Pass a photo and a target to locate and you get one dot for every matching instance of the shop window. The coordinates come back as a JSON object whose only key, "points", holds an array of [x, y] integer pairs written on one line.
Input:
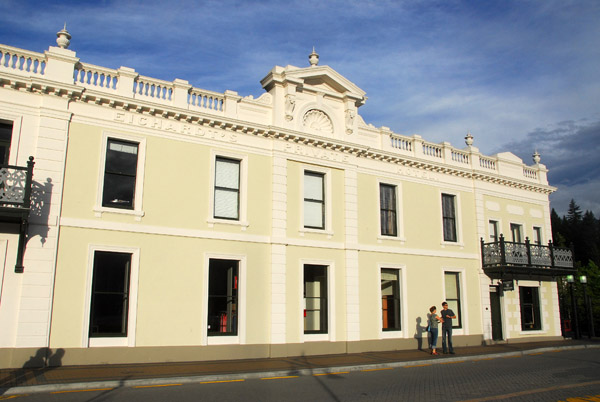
{"points": [[390, 299], [315, 299], [110, 294], [452, 283], [223, 307], [530, 308]]}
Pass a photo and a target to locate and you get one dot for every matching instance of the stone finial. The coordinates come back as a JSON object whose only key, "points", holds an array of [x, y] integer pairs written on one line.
{"points": [[313, 58], [63, 38], [536, 157], [469, 139]]}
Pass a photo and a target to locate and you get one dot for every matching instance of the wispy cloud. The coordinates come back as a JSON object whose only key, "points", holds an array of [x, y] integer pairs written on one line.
{"points": [[499, 69]]}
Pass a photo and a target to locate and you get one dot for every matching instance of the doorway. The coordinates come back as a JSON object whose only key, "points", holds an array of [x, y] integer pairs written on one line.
{"points": [[496, 311]]}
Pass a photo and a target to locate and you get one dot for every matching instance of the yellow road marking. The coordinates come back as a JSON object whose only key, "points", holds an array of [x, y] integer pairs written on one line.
{"points": [[217, 382], [279, 378], [511, 357], [7, 397], [481, 360], [418, 365], [532, 391], [82, 390], [341, 372], [535, 354], [460, 361], [379, 369], [158, 385]]}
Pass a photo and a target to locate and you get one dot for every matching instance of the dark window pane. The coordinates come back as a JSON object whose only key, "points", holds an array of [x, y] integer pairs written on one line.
{"points": [[110, 294], [449, 218], [530, 309], [120, 174], [387, 196]]}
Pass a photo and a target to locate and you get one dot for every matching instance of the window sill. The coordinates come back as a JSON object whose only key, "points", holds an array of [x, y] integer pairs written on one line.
{"points": [[108, 342], [315, 337], [381, 239], [391, 334], [223, 340], [328, 233], [452, 244], [242, 224], [137, 214], [533, 332]]}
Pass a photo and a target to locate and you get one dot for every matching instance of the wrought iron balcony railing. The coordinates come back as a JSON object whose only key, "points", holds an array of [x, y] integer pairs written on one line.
{"points": [[15, 201], [503, 258]]}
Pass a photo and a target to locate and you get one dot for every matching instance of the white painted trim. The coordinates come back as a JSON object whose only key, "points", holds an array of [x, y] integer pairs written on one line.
{"points": [[403, 332], [331, 314], [328, 229], [243, 206], [137, 212], [240, 338], [464, 302], [129, 340], [399, 211]]}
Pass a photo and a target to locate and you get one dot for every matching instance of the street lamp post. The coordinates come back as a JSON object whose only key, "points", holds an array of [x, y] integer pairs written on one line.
{"points": [[571, 280], [588, 316]]}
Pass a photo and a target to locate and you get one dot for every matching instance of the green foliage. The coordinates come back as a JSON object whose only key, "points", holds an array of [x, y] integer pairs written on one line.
{"points": [[582, 232]]}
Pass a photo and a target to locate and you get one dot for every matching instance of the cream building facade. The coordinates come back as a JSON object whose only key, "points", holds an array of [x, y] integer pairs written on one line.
{"points": [[173, 223]]}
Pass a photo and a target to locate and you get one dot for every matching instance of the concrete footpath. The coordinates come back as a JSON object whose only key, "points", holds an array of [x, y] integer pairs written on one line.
{"points": [[32, 380]]}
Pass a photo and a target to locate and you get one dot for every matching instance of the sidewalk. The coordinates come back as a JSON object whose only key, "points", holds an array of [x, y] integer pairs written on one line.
{"points": [[19, 381]]}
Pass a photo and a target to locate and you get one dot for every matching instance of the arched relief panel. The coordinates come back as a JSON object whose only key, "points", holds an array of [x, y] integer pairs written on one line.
{"points": [[317, 119]]}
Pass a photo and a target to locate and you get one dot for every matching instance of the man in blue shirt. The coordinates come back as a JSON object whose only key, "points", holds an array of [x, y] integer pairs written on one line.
{"points": [[447, 316]]}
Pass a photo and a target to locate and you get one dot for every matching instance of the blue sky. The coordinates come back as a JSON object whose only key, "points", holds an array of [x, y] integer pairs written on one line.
{"points": [[519, 75]]}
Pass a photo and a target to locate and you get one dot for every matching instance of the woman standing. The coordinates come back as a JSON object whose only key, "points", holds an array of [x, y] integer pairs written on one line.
{"points": [[434, 320]]}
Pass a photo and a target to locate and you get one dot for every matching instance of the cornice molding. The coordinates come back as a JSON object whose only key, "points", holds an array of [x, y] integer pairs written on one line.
{"points": [[79, 94]]}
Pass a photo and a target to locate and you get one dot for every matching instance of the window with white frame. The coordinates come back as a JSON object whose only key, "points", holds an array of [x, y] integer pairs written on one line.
{"points": [[390, 299], [387, 210], [110, 294], [227, 188], [314, 200], [516, 231], [120, 174], [493, 229], [452, 284], [315, 299], [530, 308], [449, 217], [537, 235], [6, 129]]}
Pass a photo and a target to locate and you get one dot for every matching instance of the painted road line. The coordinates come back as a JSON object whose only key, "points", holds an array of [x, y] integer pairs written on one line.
{"points": [[486, 359], [218, 382], [379, 369], [341, 372], [535, 354], [460, 361], [418, 365], [159, 385], [82, 390], [280, 378], [7, 397]]}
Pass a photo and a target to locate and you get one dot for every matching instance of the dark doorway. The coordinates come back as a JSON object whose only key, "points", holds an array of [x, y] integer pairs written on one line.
{"points": [[496, 313]]}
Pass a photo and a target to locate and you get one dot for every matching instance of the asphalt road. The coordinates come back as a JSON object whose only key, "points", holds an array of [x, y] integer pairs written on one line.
{"points": [[572, 375]]}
